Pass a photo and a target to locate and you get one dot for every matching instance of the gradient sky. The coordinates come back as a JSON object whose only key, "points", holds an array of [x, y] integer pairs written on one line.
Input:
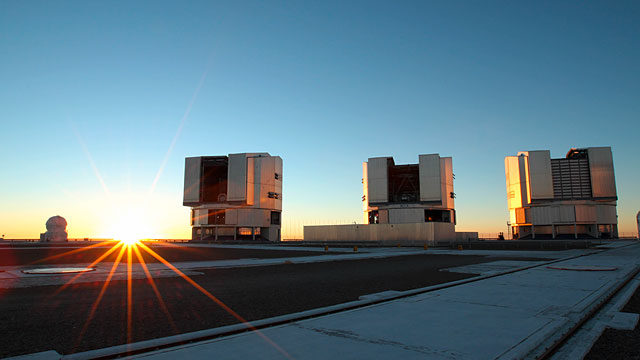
{"points": [[100, 100]]}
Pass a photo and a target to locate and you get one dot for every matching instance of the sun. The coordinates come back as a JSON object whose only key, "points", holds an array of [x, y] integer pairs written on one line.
{"points": [[129, 225], [129, 241]]}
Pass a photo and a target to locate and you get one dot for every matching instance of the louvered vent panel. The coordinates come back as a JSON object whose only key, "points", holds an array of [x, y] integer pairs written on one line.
{"points": [[571, 179]]}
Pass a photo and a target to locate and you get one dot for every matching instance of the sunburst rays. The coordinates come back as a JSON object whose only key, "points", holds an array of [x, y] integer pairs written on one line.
{"points": [[129, 249], [131, 246]]}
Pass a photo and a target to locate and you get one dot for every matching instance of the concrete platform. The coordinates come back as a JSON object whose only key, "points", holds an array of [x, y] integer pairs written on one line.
{"points": [[511, 316], [14, 277]]}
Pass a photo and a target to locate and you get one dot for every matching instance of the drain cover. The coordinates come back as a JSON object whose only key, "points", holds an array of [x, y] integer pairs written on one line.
{"points": [[583, 268], [67, 270]]}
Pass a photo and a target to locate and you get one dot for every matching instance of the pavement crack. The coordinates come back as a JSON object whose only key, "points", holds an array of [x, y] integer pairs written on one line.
{"points": [[346, 334]]}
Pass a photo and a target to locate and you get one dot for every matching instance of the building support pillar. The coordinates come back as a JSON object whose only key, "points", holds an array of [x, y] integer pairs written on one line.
{"points": [[575, 230], [253, 233], [533, 232], [553, 231], [215, 237], [235, 233]]}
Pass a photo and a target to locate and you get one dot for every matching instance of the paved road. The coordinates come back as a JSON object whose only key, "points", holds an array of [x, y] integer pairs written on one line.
{"points": [[32, 319]]}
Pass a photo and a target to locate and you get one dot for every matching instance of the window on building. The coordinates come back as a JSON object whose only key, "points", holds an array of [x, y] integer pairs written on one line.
{"points": [[275, 218], [374, 217], [437, 216]]}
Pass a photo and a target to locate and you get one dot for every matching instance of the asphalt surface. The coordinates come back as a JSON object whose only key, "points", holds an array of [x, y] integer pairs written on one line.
{"points": [[34, 255], [33, 319], [619, 344]]}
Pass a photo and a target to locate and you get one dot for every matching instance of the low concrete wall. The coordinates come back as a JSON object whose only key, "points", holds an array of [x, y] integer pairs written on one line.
{"points": [[430, 233], [466, 236]]}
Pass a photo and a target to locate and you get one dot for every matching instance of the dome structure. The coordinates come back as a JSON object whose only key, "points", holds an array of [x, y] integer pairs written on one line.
{"points": [[56, 222], [56, 229]]}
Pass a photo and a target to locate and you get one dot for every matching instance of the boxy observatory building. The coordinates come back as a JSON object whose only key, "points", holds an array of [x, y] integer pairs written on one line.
{"points": [[569, 197], [410, 204], [234, 197]]}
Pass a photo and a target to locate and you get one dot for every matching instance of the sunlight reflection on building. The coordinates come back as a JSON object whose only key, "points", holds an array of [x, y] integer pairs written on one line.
{"points": [[568, 197], [234, 197]]}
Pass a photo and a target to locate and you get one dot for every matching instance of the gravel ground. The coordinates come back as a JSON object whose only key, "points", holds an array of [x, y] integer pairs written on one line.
{"points": [[20, 256], [619, 344], [33, 320]]}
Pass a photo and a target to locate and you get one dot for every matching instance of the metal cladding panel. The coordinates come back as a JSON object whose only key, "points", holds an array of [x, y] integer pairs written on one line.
{"points": [[447, 176], [253, 178], [540, 179], [261, 200], [231, 216], [566, 214], [405, 216], [200, 217], [267, 170], [547, 215], [254, 217], [383, 216], [268, 189], [521, 216], [603, 181], [430, 179], [606, 214], [523, 165], [237, 178], [278, 182], [251, 182], [274, 233], [527, 215], [378, 180], [512, 216], [514, 188], [586, 213], [543, 215], [365, 193], [192, 179]]}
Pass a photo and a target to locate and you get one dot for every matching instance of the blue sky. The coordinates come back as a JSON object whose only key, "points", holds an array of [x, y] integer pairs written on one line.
{"points": [[325, 85]]}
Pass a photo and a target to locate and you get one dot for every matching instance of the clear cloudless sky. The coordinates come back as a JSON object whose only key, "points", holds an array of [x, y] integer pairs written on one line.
{"points": [[101, 101]]}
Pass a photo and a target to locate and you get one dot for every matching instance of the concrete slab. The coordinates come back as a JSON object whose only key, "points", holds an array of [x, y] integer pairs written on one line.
{"points": [[610, 316], [45, 355], [491, 268], [13, 277]]}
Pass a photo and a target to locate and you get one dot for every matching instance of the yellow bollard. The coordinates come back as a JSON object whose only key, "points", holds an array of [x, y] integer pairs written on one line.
{"points": [[426, 247], [326, 248], [355, 249], [459, 247]]}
